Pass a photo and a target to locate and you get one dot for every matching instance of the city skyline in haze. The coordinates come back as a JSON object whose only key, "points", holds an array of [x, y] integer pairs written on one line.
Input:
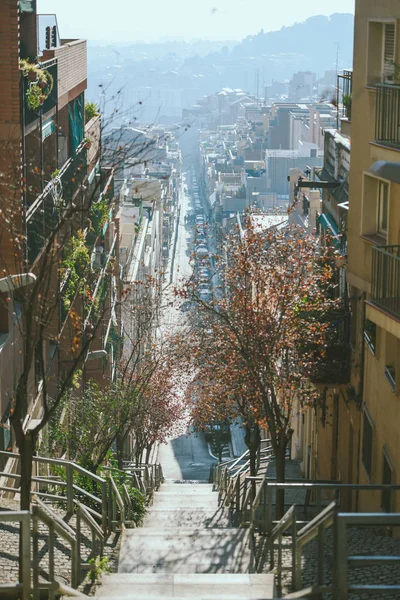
{"points": [[126, 20]]}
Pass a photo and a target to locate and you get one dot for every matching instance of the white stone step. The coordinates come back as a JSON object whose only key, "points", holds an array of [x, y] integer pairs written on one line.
{"points": [[172, 518], [205, 587], [199, 550]]}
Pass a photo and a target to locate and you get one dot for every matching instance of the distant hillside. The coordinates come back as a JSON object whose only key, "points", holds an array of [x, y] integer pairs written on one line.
{"points": [[158, 80], [315, 40]]}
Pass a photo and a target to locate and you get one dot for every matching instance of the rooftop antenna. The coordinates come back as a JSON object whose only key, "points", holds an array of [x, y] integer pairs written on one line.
{"points": [[337, 57]]}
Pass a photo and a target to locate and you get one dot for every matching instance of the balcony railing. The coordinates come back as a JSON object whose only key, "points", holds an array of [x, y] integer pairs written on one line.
{"points": [[344, 95], [42, 216], [387, 115], [385, 290], [334, 366]]}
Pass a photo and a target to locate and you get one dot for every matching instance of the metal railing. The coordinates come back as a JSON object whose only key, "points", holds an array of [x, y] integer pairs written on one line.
{"points": [[385, 283], [316, 495], [22, 517], [42, 216], [63, 489], [113, 509], [387, 114], [338, 571], [344, 91], [146, 477], [31, 587], [343, 561]]}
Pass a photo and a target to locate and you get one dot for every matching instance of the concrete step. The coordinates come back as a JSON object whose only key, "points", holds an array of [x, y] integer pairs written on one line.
{"points": [[205, 587], [193, 550], [189, 500], [182, 488], [172, 518]]}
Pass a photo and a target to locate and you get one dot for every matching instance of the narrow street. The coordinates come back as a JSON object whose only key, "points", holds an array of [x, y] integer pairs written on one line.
{"points": [[187, 456]]}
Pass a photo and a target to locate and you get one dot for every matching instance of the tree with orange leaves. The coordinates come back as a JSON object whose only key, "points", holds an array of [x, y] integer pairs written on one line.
{"points": [[262, 340]]}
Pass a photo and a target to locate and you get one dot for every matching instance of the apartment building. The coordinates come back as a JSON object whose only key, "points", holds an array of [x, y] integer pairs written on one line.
{"points": [[50, 160], [370, 442]]}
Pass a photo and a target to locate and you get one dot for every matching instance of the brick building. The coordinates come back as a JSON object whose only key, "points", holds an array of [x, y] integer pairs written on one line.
{"points": [[50, 162]]}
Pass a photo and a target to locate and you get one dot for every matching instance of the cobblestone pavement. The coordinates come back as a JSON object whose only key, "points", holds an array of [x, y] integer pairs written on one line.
{"points": [[9, 541], [361, 541]]}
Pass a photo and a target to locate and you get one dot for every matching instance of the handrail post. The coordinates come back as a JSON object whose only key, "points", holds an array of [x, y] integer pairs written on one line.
{"points": [[237, 490], [51, 552], [297, 573], [320, 554], [26, 555], [279, 563], [75, 566], [35, 554], [294, 547], [104, 506], [70, 487], [269, 508], [340, 589], [78, 533]]}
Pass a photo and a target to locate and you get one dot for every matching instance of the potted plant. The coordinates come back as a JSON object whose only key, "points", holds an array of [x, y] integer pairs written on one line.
{"points": [[87, 143], [40, 86]]}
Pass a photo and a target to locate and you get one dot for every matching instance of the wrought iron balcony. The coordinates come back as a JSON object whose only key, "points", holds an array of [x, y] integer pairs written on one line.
{"points": [[334, 366], [385, 284], [344, 95], [42, 216], [387, 115]]}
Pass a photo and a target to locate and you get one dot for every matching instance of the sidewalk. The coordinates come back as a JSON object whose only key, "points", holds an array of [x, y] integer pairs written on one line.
{"points": [[237, 438]]}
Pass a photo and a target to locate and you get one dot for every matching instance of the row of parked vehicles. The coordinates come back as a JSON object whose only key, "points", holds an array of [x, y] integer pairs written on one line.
{"points": [[202, 253]]}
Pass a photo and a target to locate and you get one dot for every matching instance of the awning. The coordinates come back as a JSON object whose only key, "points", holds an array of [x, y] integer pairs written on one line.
{"points": [[328, 224], [386, 170]]}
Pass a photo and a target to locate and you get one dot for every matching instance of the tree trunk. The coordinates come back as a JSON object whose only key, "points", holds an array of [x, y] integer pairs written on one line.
{"points": [[148, 450], [280, 478], [26, 451], [252, 439], [119, 440]]}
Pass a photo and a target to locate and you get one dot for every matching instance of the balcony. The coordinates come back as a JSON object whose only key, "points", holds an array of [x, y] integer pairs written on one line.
{"points": [[344, 93], [334, 367], [43, 215], [387, 115], [385, 284]]}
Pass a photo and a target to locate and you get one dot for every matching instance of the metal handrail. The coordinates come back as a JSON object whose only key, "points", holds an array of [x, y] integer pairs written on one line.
{"points": [[288, 521], [316, 487], [314, 529], [71, 488], [116, 500], [23, 517], [342, 560]]}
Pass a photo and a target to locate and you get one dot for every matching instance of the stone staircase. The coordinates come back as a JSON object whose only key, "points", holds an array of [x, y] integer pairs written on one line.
{"points": [[186, 548]]}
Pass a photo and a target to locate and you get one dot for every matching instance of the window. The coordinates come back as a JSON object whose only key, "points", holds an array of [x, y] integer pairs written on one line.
{"points": [[388, 52], [375, 216], [383, 208], [387, 479], [391, 360], [381, 52], [367, 443], [370, 335]]}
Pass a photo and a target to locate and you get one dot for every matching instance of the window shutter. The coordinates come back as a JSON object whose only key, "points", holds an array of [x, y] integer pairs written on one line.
{"points": [[388, 52]]}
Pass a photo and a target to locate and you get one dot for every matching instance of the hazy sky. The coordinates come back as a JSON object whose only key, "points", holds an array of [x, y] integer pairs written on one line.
{"points": [[152, 20]]}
